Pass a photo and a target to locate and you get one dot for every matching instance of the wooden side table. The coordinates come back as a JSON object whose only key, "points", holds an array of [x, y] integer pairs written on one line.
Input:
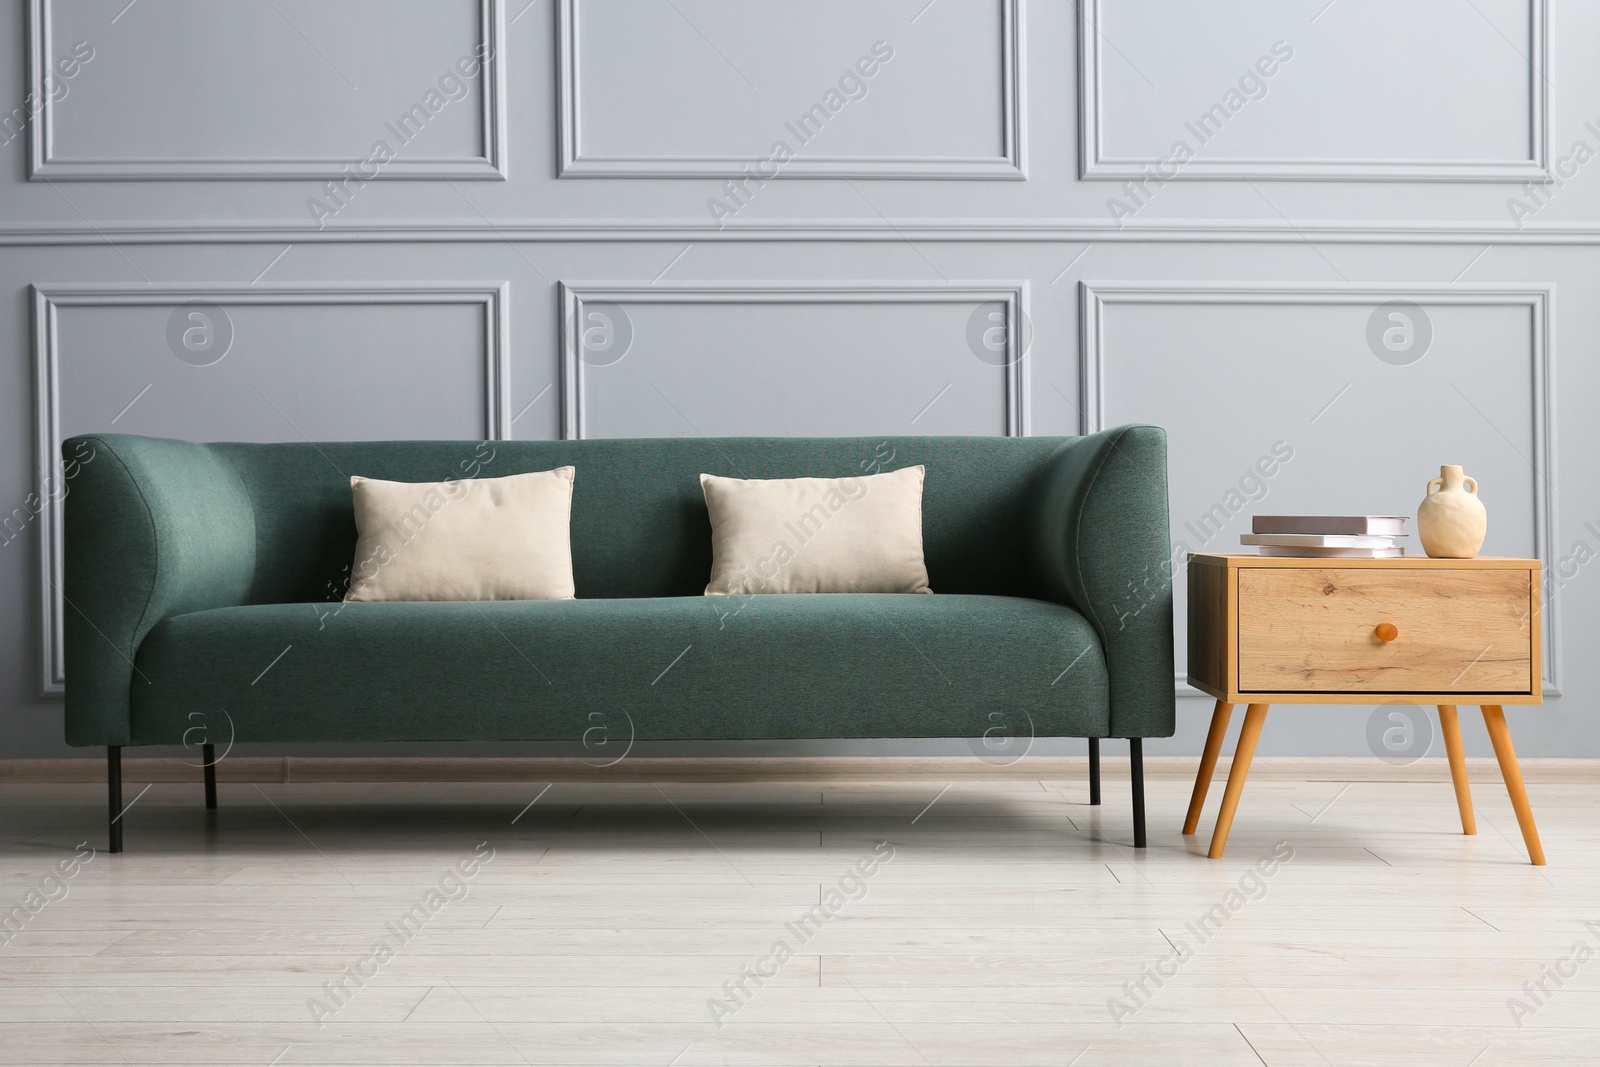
{"points": [[1267, 630]]}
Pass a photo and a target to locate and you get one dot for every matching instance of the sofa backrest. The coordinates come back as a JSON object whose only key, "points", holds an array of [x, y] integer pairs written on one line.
{"points": [[639, 523]]}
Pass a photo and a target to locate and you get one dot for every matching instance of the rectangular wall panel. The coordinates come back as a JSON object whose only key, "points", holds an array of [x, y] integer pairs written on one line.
{"points": [[1368, 389], [793, 359], [195, 89], [1357, 90], [848, 88], [257, 363]]}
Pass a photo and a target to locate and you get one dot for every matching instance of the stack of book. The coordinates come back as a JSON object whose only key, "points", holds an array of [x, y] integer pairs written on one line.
{"points": [[1333, 536]]}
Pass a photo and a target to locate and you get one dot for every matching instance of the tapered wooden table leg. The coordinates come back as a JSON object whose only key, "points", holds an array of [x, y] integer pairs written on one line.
{"points": [[1450, 726], [1495, 719], [1208, 764], [1254, 718]]}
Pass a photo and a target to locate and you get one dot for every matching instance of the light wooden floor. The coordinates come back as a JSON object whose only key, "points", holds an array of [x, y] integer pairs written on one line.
{"points": [[610, 915]]}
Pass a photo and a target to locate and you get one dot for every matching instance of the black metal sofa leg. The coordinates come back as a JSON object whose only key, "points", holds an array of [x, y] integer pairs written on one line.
{"points": [[1094, 770], [208, 753], [1136, 761], [114, 788]]}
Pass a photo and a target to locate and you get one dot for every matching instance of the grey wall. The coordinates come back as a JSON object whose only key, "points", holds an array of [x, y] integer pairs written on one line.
{"points": [[1356, 153]]}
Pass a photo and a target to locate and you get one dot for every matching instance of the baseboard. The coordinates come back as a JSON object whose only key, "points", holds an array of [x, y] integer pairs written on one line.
{"points": [[1549, 771]]}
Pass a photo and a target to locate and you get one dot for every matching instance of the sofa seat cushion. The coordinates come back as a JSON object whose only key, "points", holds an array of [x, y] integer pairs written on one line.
{"points": [[815, 666]]}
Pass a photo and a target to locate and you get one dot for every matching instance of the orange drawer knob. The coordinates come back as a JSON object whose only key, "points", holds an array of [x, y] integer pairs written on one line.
{"points": [[1387, 631]]}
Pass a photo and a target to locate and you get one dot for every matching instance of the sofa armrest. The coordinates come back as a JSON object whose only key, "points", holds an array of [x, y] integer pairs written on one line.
{"points": [[1102, 546], [153, 528]]}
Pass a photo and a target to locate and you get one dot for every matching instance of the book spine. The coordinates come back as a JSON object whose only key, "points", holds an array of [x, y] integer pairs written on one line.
{"points": [[1333, 525]]}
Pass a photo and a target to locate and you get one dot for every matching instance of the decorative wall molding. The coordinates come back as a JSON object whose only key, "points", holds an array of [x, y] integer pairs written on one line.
{"points": [[44, 165], [1095, 165], [1096, 296], [493, 297], [1011, 165], [574, 295], [999, 231]]}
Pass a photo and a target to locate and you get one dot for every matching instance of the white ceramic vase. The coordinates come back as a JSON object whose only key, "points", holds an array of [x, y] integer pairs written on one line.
{"points": [[1451, 520]]}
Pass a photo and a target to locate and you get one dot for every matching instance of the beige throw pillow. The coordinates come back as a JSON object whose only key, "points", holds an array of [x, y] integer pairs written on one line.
{"points": [[465, 539], [817, 535]]}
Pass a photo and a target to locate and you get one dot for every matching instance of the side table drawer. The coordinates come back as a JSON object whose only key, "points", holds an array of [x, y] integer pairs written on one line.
{"points": [[1317, 630]]}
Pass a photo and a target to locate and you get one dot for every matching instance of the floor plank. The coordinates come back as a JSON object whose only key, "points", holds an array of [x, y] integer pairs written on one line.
{"points": [[616, 923]]}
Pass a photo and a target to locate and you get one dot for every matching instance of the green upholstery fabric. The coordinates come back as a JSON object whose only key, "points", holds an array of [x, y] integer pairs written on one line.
{"points": [[825, 665], [164, 530], [1101, 544], [639, 524], [154, 528]]}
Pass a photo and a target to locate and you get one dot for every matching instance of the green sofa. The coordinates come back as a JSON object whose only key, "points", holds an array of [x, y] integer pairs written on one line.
{"points": [[204, 583]]}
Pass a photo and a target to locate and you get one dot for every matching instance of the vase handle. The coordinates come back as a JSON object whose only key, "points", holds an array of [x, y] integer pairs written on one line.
{"points": [[1471, 484], [1436, 484]]}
